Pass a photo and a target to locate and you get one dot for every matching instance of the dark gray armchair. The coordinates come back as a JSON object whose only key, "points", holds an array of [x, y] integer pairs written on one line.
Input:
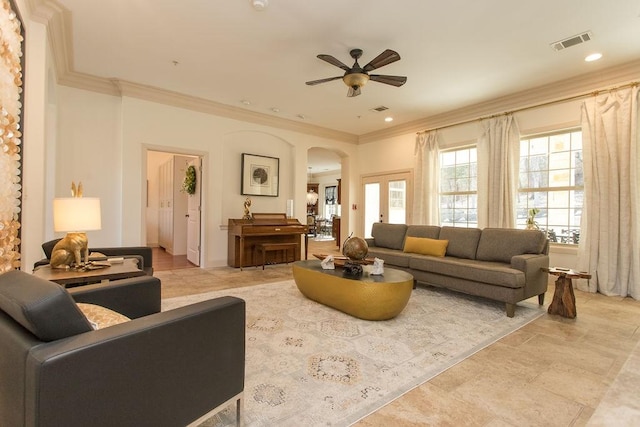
{"points": [[161, 369]]}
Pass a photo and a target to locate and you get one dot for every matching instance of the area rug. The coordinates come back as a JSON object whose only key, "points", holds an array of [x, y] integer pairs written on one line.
{"points": [[311, 365]]}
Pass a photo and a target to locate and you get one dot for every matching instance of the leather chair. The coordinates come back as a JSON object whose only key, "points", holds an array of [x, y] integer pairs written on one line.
{"points": [[143, 254], [161, 369]]}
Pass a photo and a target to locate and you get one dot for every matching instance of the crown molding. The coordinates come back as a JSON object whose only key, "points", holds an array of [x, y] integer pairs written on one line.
{"points": [[58, 21], [557, 91], [161, 96]]}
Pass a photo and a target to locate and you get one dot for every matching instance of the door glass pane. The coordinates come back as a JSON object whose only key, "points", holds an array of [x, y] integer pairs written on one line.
{"points": [[397, 202], [371, 207]]}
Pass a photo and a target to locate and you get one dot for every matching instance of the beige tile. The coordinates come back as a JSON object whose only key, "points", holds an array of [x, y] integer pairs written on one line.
{"points": [[428, 406], [573, 383]]}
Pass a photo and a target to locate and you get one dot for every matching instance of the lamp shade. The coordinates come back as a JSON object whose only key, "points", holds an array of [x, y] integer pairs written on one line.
{"points": [[76, 214]]}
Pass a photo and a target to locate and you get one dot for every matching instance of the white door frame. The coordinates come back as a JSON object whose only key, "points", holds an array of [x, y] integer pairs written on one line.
{"points": [[384, 179]]}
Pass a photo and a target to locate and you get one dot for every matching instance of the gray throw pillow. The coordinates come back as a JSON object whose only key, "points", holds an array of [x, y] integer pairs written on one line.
{"points": [[44, 308]]}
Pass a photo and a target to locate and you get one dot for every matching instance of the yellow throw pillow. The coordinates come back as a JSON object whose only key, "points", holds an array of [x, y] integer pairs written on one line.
{"points": [[425, 246], [101, 317]]}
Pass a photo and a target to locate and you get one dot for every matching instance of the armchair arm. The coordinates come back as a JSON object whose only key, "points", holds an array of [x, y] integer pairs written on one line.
{"points": [[535, 279], [168, 368], [134, 297], [142, 251]]}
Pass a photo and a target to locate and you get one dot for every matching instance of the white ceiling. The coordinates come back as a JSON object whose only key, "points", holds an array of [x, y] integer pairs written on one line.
{"points": [[455, 53]]}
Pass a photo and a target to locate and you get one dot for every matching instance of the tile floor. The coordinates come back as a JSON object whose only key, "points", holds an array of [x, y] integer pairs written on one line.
{"points": [[552, 372]]}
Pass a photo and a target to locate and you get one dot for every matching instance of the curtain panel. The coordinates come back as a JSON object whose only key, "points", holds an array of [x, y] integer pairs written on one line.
{"points": [[499, 146], [426, 201], [610, 231]]}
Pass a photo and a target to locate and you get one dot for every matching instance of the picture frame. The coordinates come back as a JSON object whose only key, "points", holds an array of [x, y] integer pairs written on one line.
{"points": [[260, 175]]}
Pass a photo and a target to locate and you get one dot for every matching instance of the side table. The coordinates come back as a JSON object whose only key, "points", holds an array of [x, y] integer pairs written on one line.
{"points": [[564, 300], [68, 278]]}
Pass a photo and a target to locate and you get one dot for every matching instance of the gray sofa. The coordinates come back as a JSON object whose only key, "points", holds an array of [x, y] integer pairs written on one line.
{"points": [[496, 263]]}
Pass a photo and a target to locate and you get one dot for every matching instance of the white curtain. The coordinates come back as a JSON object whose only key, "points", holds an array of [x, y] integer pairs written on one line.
{"points": [[610, 231], [499, 150], [426, 206]]}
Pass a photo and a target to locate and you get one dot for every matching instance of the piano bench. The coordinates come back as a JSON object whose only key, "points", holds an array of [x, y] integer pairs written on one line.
{"points": [[270, 247]]}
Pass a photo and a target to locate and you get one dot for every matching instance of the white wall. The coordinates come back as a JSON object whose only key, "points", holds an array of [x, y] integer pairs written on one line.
{"points": [[38, 65], [103, 141]]}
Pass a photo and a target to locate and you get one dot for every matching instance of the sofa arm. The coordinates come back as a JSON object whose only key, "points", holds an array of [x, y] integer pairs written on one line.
{"points": [[531, 264], [168, 368], [134, 297]]}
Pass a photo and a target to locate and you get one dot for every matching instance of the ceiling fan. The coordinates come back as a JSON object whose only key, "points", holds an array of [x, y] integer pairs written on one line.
{"points": [[356, 76]]}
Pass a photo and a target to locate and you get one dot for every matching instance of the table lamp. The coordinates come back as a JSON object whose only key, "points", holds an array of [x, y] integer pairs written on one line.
{"points": [[75, 215]]}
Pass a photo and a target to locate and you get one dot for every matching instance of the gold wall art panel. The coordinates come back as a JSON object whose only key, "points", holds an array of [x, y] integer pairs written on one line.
{"points": [[11, 46]]}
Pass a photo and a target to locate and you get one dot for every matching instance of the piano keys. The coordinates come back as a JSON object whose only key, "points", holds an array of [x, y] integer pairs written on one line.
{"points": [[244, 234]]}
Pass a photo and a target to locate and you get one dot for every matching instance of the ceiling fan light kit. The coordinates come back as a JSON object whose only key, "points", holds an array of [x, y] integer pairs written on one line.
{"points": [[356, 76], [259, 5]]}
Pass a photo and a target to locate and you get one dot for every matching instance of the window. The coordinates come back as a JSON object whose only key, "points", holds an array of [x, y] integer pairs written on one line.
{"points": [[551, 180], [459, 187], [331, 201]]}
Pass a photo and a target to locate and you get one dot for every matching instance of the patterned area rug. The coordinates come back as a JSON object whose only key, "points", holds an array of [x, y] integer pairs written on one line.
{"points": [[311, 365]]}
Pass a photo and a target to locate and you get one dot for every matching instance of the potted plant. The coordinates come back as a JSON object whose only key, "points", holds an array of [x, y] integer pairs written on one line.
{"points": [[531, 219]]}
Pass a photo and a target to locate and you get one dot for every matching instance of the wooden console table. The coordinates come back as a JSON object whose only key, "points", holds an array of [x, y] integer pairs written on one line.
{"points": [[564, 300]]}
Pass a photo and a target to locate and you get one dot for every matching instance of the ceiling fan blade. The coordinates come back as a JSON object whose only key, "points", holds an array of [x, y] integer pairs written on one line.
{"points": [[389, 80], [385, 58], [315, 82], [353, 92], [333, 61]]}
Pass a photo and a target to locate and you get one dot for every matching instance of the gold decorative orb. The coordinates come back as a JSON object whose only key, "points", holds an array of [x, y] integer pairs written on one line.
{"points": [[355, 248]]}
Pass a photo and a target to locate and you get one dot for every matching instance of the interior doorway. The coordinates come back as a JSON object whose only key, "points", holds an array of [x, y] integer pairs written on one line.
{"points": [[172, 217]]}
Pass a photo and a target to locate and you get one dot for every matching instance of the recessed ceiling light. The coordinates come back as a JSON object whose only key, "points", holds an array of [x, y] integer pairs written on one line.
{"points": [[593, 57], [388, 119]]}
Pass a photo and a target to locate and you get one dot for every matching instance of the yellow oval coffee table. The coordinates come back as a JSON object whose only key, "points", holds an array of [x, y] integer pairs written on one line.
{"points": [[365, 297]]}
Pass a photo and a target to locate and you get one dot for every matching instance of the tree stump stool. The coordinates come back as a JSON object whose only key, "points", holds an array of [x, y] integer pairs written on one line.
{"points": [[564, 300]]}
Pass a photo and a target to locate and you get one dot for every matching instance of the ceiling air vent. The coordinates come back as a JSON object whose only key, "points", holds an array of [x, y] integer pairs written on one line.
{"points": [[380, 109], [571, 41]]}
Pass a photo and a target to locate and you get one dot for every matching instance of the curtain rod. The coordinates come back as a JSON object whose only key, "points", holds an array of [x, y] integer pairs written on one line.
{"points": [[530, 107]]}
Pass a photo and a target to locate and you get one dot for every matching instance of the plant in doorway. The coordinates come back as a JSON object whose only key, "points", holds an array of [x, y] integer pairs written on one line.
{"points": [[189, 183]]}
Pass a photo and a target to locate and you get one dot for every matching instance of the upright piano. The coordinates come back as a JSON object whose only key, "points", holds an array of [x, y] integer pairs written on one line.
{"points": [[244, 234]]}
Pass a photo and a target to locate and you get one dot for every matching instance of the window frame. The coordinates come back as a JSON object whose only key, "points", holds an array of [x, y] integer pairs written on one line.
{"points": [[569, 232], [470, 193]]}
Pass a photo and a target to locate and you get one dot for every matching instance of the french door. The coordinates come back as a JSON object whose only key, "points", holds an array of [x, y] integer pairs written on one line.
{"points": [[387, 198]]}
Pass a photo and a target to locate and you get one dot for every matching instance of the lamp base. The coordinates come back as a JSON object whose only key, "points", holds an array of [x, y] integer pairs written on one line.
{"points": [[68, 251]]}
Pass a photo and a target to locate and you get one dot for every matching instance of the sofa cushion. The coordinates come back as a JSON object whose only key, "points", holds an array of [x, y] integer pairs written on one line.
{"points": [[429, 231], [388, 235], [391, 257], [101, 317], [463, 242], [42, 307], [495, 273], [501, 244], [425, 246]]}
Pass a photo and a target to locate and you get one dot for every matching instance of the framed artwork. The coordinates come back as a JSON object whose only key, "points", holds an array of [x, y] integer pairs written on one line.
{"points": [[260, 175]]}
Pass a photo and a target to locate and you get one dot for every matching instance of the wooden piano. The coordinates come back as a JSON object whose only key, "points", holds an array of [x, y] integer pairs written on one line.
{"points": [[244, 234]]}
